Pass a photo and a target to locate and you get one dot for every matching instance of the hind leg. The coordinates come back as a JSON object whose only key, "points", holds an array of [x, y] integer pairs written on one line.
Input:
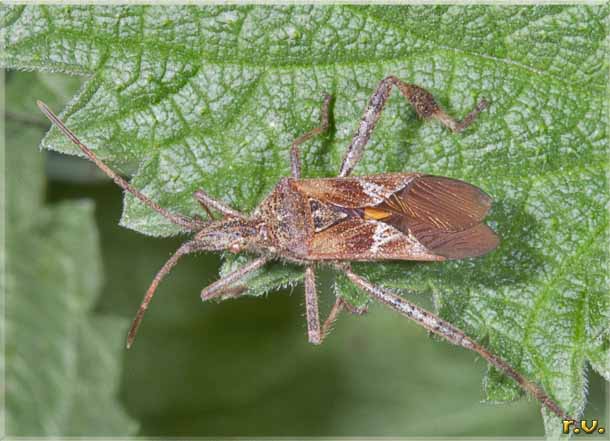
{"points": [[422, 101]]}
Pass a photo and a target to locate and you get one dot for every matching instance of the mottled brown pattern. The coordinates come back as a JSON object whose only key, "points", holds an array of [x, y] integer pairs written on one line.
{"points": [[357, 239], [422, 101], [350, 237], [287, 216], [354, 192], [438, 217], [311, 307], [324, 215]]}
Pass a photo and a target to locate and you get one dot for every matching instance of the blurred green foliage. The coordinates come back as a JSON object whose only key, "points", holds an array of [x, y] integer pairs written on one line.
{"points": [[60, 356], [218, 107]]}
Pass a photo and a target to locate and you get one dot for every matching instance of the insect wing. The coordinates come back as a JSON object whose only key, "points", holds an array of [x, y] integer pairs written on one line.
{"points": [[354, 192], [357, 239], [444, 203], [472, 242], [400, 216], [443, 214]]}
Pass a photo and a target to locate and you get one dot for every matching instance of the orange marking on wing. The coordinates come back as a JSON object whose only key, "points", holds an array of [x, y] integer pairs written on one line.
{"points": [[373, 213]]}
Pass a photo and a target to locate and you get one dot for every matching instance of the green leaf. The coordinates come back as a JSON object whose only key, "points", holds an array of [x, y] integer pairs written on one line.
{"points": [[211, 97], [271, 277], [62, 360]]}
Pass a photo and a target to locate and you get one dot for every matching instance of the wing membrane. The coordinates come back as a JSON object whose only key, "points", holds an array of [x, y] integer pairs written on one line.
{"points": [[444, 203], [471, 242], [444, 214]]}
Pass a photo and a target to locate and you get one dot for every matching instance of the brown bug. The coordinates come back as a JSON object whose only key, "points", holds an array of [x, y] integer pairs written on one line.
{"points": [[399, 216]]}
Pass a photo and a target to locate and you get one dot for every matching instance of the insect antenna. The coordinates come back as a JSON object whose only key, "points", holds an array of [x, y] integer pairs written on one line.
{"points": [[183, 221], [186, 248]]}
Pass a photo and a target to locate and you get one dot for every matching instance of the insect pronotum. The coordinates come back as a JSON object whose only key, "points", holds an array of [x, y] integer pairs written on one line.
{"points": [[392, 216]]}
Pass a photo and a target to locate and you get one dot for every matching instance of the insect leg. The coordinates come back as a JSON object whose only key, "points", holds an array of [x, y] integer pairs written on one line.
{"points": [[295, 160], [217, 288], [332, 316], [207, 201], [452, 334], [232, 292], [311, 307], [188, 247], [205, 207], [178, 219], [354, 309], [423, 103], [340, 305]]}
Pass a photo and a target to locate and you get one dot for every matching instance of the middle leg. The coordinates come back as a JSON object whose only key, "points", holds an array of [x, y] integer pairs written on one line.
{"points": [[295, 159], [340, 305], [311, 307]]}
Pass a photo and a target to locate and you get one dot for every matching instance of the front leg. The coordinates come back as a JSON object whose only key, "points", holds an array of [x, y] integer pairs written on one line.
{"points": [[222, 285], [424, 104], [208, 201]]}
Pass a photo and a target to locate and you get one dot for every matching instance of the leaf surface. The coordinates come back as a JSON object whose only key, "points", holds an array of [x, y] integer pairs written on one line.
{"points": [[211, 97]]}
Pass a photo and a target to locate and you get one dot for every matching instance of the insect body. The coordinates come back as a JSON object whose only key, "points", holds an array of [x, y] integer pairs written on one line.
{"points": [[399, 216]]}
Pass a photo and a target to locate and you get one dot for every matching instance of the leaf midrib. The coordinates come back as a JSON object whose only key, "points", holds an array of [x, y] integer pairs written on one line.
{"points": [[281, 63]]}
